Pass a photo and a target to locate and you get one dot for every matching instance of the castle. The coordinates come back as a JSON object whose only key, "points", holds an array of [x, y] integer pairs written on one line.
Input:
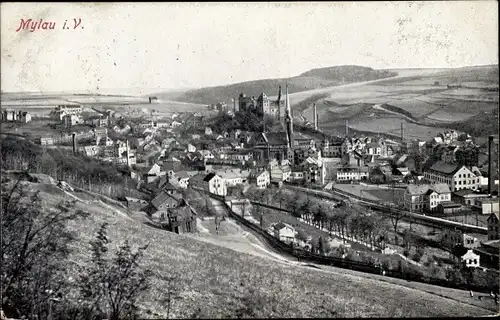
{"points": [[261, 106]]}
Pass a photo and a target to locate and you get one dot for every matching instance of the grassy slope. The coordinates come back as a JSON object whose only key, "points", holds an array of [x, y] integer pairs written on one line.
{"points": [[310, 80], [214, 278]]}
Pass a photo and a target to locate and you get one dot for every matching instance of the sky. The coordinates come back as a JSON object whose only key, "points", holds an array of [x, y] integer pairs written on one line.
{"points": [[152, 46]]}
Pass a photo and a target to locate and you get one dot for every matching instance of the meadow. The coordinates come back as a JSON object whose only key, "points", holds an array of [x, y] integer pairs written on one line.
{"points": [[214, 282]]}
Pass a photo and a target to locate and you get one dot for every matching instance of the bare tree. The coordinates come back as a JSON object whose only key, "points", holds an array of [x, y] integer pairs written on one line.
{"points": [[34, 245], [111, 287]]}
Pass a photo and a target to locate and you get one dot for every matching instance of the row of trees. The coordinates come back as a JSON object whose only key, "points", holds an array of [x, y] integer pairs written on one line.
{"points": [[347, 220], [80, 171]]}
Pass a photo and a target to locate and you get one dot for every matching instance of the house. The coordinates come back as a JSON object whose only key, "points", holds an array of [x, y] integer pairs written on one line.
{"points": [[467, 196], [261, 178], [284, 232], [154, 173], [493, 226], [172, 163], [239, 155], [25, 117], [350, 173], [176, 124], [457, 177], [195, 136], [454, 238], [157, 209], [90, 151], [168, 185], [182, 178], [486, 205], [426, 197], [181, 219], [207, 154], [470, 259], [331, 149], [234, 177], [46, 141], [210, 182], [70, 120], [448, 207], [190, 148], [280, 173], [208, 131]]}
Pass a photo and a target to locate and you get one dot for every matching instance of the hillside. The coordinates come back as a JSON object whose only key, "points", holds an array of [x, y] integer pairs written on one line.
{"points": [[218, 282], [427, 100], [313, 79]]}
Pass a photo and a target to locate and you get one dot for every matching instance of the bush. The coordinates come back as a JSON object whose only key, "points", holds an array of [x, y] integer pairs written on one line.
{"points": [[420, 251], [417, 257]]}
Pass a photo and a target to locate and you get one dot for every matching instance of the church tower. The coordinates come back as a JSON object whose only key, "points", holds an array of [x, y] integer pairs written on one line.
{"points": [[288, 118]]}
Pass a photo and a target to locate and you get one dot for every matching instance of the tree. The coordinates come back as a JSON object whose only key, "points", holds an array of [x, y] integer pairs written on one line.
{"points": [[321, 246], [111, 287], [395, 216], [34, 247], [301, 235]]}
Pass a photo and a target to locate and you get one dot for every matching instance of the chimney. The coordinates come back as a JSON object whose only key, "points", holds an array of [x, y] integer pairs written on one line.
{"points": [[346, 128], [491, 179], [402, 132], [315, 115], [74, 143], [128, 155], [149, 99]]}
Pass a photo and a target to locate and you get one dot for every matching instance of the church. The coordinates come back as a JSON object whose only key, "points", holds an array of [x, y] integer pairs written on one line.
{"points": [[277, 145]]}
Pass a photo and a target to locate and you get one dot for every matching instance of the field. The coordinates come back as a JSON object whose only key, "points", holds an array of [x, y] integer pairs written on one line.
{"points": [[43, 103], [422, 93], [216, 281]]}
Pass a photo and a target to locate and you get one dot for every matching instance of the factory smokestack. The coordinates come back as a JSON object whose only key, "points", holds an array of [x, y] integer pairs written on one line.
{"points": [[128, 154], [402, 132], [74, 143], [491, 179], [346, 128], [315, 115]]}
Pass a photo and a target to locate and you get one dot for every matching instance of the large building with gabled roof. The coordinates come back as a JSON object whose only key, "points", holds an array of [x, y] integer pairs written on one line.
{"points": [[456, 176]]}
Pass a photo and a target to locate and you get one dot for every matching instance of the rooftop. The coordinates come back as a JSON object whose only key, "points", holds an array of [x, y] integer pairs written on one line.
{"points": [[446, 168], [162, 197]]}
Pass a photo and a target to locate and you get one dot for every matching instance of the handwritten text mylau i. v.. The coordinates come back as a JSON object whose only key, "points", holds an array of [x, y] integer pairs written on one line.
{"points": [[31, 25]]}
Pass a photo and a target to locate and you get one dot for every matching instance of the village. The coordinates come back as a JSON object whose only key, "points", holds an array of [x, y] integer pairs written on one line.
{"points": [[170, 156]]}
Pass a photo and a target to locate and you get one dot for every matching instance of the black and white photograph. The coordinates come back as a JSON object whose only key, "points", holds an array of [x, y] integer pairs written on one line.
{"points": [[249, 160]]}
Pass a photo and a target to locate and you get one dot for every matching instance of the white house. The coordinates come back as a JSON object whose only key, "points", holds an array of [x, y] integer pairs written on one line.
{"points": [[207, 154], [470, 259], [210, 182], [208, 131], [234, 177], [457, 177], [352, 173], [191, 148], [426, 197], [261, 178], [284, 232]]}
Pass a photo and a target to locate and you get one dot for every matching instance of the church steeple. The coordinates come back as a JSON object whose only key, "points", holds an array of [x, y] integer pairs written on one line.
{"points": [[288, 118]]}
